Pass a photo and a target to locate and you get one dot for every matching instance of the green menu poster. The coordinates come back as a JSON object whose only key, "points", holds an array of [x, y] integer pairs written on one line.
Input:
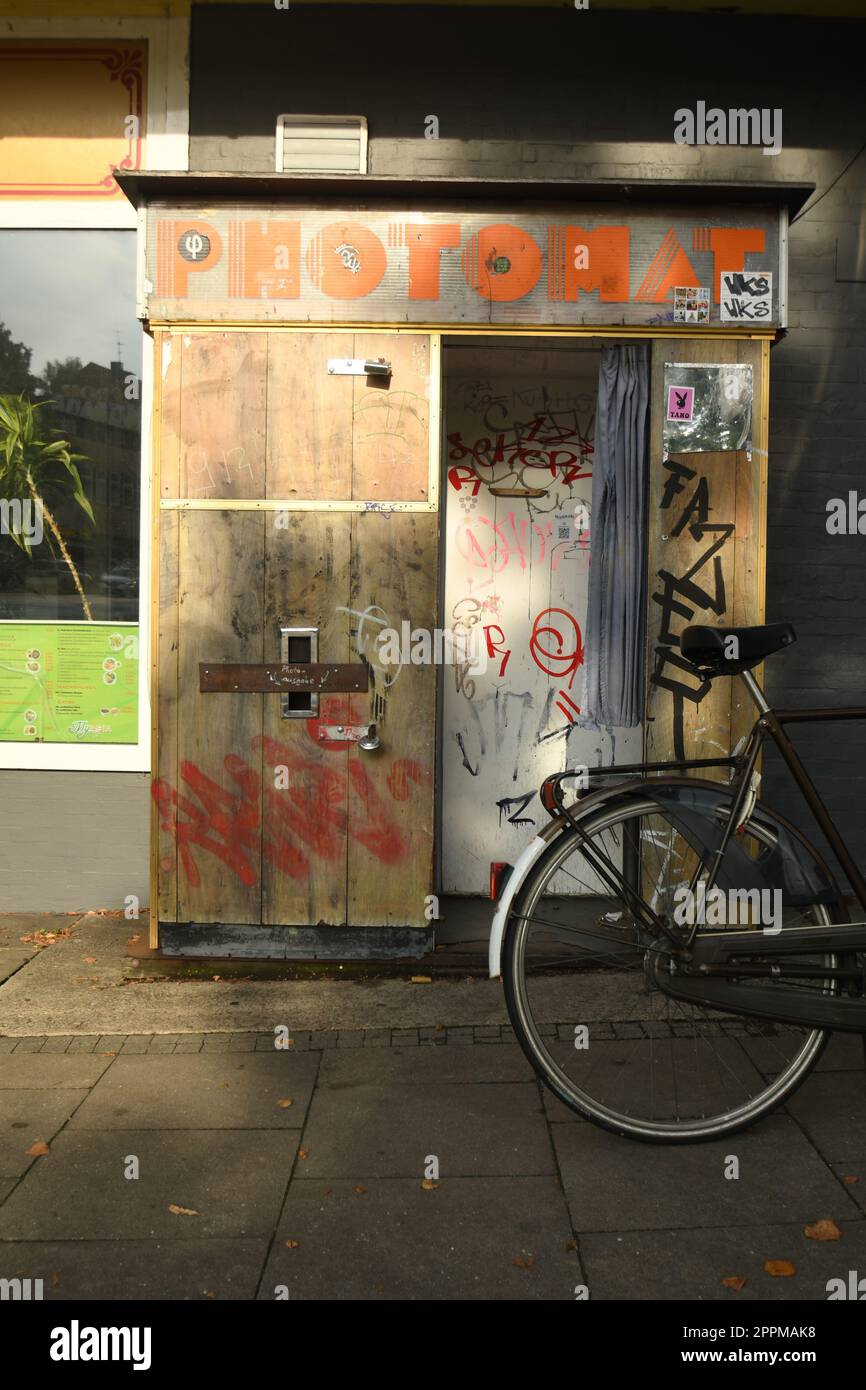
{"points": [[68, 682]]}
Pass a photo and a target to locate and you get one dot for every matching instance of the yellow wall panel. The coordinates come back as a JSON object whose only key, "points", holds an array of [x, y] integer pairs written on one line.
{"points": [[69, 112]]}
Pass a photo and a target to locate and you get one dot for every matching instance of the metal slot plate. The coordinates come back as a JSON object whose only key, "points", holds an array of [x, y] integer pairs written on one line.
{"points": [[312, 709], [343, 733]]}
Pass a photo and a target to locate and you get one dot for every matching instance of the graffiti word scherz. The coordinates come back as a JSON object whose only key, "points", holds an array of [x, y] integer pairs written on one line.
{"points": [[700, 588], [308, 821], [552, 441]]}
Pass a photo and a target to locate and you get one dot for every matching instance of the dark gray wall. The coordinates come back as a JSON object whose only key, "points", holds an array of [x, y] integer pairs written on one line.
{"points": [[73, 841], [578, 94]]}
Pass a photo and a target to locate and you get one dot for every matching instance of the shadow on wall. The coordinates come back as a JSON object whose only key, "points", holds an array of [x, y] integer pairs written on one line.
{"points": [[541, 80]]}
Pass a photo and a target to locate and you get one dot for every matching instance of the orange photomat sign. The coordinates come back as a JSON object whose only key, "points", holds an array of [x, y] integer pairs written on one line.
{"points": [[443, 263]]}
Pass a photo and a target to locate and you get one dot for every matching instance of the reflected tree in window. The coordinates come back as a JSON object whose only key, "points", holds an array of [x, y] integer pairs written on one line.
{"points": [[71, 345], [33, 461]]}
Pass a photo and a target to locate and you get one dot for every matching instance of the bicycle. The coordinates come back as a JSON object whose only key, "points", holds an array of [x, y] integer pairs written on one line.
{"points": [[638, 1009]]}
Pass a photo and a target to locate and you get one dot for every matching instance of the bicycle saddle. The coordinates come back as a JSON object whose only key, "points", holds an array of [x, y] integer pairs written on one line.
{"points": [[725, 651]]}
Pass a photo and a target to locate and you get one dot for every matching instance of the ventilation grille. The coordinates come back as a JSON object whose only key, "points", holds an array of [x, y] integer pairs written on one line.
{"points": [[321, 144]]}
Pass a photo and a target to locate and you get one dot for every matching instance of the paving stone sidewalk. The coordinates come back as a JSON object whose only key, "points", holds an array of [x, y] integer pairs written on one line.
{"points": [[306, 1168]]}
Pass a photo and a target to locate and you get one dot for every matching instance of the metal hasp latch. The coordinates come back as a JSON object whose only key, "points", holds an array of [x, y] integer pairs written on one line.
{"points": [[358, 366], [363, 734]]}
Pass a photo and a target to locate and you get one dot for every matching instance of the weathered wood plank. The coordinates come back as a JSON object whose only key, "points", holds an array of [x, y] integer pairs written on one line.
{"points": [[309, 433], [165, 771], [305, 782], [391, 795], [750, 538], [223, 415], [391, 420], [169, 365], [221, 563]]}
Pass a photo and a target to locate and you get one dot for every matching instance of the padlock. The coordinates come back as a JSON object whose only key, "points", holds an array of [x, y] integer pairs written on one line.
{"points": [[369, 740]]}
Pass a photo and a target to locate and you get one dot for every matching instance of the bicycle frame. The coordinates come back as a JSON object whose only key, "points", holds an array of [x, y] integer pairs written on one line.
{"points": [[769, 724], [712, 963]]}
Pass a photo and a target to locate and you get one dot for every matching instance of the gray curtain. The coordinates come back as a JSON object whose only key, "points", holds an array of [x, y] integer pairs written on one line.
{"points": [[617, 582]]}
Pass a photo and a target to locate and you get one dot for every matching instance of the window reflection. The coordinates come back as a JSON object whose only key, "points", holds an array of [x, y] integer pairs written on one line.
{"points": [[70, 344]]}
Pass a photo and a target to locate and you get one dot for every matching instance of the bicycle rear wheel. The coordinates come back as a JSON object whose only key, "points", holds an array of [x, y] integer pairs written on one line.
{"points": [[581, 981]]}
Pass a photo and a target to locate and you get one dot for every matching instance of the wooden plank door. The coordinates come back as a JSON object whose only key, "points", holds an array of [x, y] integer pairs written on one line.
{"points": [[292, 497], [707, 539]]}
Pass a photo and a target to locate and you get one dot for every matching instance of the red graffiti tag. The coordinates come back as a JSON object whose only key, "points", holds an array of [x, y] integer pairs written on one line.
{"points": [[311, 809], [227, 825], [560, 659], [497, 647], [403, 771]]}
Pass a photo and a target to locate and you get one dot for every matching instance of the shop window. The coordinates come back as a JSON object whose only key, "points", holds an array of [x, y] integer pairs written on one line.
{"points": [[70, 353]]}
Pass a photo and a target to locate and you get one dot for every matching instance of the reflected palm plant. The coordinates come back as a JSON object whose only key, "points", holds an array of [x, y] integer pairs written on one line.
{"points": [[30, 458]]}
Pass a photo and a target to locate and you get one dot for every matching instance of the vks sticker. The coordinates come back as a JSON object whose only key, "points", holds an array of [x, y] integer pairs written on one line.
{"points": [[746, 295]]}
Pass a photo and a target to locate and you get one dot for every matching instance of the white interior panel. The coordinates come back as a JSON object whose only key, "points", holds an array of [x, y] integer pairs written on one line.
{"points": [[523, 416]]}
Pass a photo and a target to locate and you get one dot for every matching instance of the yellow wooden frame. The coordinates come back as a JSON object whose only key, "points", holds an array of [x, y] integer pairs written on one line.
{"points": [[291, 504], [153, 860], [455, 330]]}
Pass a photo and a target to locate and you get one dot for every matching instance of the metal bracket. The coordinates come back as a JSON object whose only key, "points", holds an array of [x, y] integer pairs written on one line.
{"points": [[363, 734], [358, 366]]}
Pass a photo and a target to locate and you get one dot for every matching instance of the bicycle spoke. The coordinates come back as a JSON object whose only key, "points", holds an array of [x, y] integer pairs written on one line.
{"points": [[642, 1060]]}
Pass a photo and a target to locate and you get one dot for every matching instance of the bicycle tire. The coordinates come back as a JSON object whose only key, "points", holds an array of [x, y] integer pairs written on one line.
{"points": [[611, 811]]}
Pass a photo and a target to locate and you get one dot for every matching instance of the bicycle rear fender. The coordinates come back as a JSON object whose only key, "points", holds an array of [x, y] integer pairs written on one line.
{"points": [[529, 857], [793, 865]]}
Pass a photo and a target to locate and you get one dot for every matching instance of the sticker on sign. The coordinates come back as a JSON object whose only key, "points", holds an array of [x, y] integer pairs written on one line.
{"points": [[746, 295], [681, 402]]}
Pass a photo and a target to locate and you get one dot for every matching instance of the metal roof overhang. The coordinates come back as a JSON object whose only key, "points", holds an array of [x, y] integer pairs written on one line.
{"points": [[143, 189]]}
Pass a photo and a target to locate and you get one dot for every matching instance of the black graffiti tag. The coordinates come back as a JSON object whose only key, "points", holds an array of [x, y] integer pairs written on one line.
{"points": [[512, 806], [681, 596]]}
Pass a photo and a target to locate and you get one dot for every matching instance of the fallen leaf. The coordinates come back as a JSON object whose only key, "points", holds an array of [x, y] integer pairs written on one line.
{"points": [[55, 1280], [38, 1149], [182, 1211], [209, 1293], [779, 1269], [521, 1263], [850, 1179], [823, 1230], [428, 1184], [421, 980], [440, 1027], [89, 960], [571, 1245], [106, 1054], [303, 1153], [359, 1189], [734, 1281], [284, 1104], [292, 1244]]}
